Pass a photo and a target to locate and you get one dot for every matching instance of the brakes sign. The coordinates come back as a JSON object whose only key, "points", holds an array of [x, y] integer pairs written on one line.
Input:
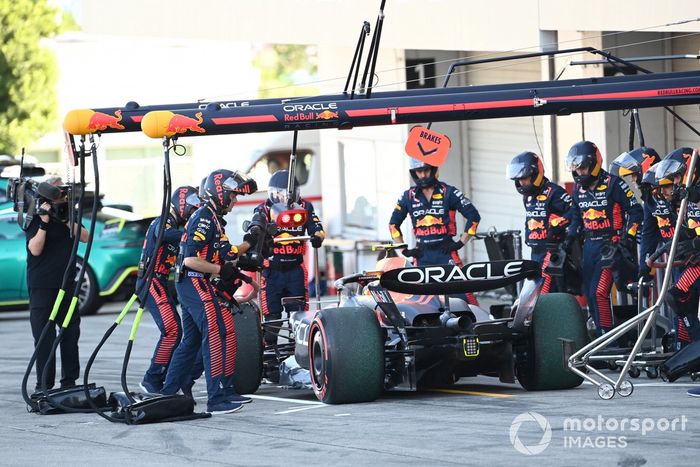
{"points": [[428, 146]]}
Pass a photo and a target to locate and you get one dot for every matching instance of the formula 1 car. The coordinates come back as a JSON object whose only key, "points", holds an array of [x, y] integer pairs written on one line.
{"points": [[403, 327]]}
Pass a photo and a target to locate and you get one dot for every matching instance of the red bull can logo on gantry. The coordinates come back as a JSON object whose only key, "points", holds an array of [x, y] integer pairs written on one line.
{"points": [[87, 121], [164, 123]]}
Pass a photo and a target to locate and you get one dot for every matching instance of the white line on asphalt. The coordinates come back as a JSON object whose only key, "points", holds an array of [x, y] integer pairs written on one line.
{"points": [[284, 399], [299, 409], [342, 415], [656, 385]]}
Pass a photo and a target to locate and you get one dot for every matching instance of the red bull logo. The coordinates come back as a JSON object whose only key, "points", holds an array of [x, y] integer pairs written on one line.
{"points": [[533, 224], [593, 214], [163, 123], [180, 124], [428, 221], [595, 219], [666, 222], [326, 115], [293, 247], [101, 121], [284, 235], [556, 221]]}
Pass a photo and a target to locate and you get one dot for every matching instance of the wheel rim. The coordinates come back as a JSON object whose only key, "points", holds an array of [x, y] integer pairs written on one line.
{"points": [[318, 363], [626, 388], [85, 285], [606, 391]]}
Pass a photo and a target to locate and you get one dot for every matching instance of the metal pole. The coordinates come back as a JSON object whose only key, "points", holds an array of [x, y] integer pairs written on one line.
{"points": [[317, 277], [667, 277]]}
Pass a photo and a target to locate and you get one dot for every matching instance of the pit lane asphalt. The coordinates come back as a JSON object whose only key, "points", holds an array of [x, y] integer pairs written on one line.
{"points": [[470, 424]]}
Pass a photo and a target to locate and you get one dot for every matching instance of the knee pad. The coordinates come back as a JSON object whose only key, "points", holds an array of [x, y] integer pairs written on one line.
{"points": [[607, 256], [682, 303]]}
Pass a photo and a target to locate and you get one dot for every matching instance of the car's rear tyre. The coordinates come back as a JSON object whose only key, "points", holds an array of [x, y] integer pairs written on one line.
{"points": [[346, 355], [540, 362], [89, 300], [249, 349]]}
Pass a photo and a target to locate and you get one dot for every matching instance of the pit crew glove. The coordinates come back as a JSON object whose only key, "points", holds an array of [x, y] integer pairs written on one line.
{"points": [[316, 241], [248, 263], [688, 247], [228, 272], [645, 273], [251, 238], [452, 246], [411, 252]]}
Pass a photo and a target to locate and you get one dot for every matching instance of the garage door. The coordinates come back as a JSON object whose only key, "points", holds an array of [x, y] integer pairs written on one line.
{"points": [[491, 144]]}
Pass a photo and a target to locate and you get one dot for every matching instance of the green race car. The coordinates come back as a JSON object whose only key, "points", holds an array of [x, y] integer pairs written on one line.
{"points": [[112, 266]]}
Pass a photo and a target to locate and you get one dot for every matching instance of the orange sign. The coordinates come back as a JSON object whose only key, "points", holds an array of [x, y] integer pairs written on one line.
{"points": [[428, 146]]}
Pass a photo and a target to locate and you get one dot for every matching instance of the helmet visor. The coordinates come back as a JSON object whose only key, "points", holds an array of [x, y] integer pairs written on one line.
{"points": [[650, 175], [576, 161], [624, 164], [278, 195], [518, 169], [193, 199], [240, 184], [667, 170]]}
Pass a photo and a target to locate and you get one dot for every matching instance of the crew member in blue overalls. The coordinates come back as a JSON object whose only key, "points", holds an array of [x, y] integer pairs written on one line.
{"points": [[432, 206], [207, 324], [546, 207], [285, 274], [606, 213], [638, 168], [159, 301], [682, 297]]}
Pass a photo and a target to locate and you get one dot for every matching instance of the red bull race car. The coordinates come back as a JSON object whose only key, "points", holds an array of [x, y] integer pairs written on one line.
{"points": [[403, 327]]}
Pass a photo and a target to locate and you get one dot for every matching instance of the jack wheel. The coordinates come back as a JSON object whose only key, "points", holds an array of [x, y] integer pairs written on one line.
{"points": [[634, 372], [606, 391], [626, 388], [652, 372]]}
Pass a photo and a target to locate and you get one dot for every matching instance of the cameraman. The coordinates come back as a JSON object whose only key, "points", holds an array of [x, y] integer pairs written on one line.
{"points": [[48, 250]]}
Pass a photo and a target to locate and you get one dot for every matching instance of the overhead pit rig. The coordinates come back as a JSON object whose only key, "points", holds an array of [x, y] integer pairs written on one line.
{"points": [[394, 108]]}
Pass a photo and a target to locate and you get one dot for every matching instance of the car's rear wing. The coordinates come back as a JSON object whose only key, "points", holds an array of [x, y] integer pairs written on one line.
{"points": [[451, 279]]}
